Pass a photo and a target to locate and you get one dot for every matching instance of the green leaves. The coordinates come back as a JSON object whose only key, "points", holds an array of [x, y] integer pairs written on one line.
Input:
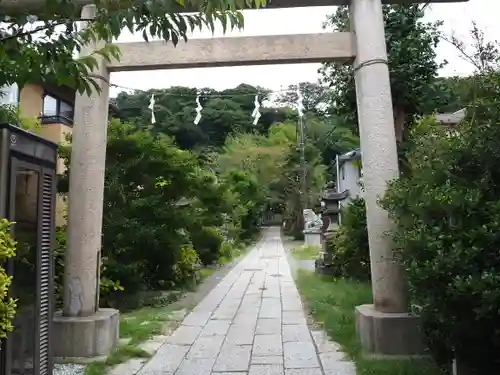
{"points": [[7, 304], [45, 53]]}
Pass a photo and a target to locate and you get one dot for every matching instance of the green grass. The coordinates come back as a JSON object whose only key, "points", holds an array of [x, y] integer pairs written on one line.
{"points": [[141, 324], [207, 272], [306, 252], [332, 304], [97, 368], [124, 353], [138, 326]]}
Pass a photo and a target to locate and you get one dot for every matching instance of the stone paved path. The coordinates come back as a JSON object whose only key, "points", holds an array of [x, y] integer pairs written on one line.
{"points": [[251, 323]]}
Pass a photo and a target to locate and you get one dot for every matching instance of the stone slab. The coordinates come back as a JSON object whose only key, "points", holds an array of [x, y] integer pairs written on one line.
{"points": [[216, 328], [151, 346], [166, 360], [297, 333], [268, 326], [306, 371], [240, 335], [329, 361], [323, 343], [197, 319], [184, 335], [233, 359], [275, 369], [224, 314], [300, 355], [246, 319], [196, 366], [206, 347], [342, 368], [267, 360], [270, 309], [294, 317], [272, 293], [267, 345]]}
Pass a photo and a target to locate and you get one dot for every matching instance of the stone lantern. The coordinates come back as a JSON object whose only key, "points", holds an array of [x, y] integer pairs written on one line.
{"points": [[330, 214]]}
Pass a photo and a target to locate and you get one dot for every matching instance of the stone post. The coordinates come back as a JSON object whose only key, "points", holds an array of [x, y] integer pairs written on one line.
{"points": [[384, 327], [84, 330]]}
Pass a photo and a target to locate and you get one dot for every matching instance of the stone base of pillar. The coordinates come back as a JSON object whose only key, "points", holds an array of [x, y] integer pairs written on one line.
{"points": [[85, 337], [388, 334], [312, 238]]}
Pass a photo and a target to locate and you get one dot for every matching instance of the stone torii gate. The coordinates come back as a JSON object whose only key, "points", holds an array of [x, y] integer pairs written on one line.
{"points": [[84, 330]]}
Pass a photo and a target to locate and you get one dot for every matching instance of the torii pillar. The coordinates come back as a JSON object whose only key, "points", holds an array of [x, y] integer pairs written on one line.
{"points": [[384, 327], [82, 329]]}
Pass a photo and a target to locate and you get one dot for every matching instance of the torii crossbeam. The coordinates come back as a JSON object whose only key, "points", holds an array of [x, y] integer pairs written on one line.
{"points": [[33, 6]]}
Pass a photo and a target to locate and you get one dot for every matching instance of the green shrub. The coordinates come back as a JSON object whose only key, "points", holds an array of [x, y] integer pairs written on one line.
{"points": [[207, 242], [153, 193], [7, 304], [447, 213], [227, 250], [348, 251], [59, 251], [188, 265]]}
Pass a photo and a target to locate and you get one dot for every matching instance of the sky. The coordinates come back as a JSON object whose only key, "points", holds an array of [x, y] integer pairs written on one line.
{"points": [[457, 18]]}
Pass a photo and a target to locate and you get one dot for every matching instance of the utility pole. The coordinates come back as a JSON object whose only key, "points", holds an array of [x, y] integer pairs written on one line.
{"points": [[303, 170], [302, 145]]}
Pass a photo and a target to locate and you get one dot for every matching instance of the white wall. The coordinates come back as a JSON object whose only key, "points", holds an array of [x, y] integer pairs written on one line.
{"points": [[348, 179]]}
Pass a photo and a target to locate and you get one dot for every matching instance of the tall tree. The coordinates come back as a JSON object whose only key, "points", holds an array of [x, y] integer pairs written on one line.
{"points": [[224, 113], [330, 136], [413, 67], [315, 97], [483, 55], [452, 93]]}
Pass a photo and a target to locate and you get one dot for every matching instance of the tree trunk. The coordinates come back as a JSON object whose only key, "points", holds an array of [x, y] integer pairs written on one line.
{"points": [[399, 123]]}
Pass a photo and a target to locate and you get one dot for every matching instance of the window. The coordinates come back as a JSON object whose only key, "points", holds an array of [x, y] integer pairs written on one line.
{"points": [[56, 110], [49, 106], [342, 172], [66, 110]]}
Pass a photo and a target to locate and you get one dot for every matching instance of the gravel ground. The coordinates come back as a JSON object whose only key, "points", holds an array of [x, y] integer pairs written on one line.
{"points": [[68, 369]]}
